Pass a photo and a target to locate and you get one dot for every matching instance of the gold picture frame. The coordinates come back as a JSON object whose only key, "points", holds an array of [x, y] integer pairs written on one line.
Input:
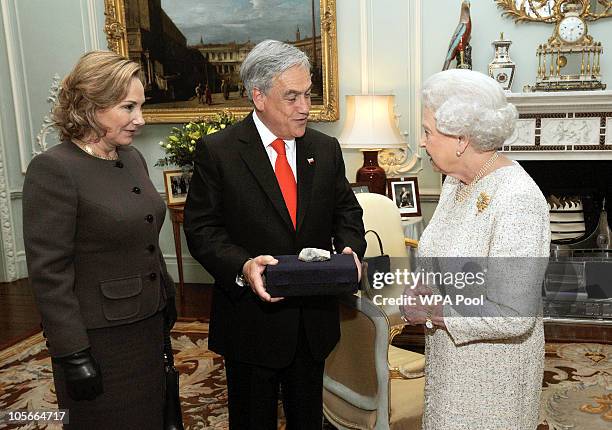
{"points": [[176, 183], [325, 105]]}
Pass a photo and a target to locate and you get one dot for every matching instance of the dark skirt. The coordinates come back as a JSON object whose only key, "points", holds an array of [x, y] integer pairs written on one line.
{"points": [[132, 365]]}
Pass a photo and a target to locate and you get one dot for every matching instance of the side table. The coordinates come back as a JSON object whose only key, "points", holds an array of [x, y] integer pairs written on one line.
{"points": [[176, 216]]}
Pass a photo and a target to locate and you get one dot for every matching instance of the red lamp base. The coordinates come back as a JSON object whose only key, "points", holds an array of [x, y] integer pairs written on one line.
{"points": [[372, 173]]}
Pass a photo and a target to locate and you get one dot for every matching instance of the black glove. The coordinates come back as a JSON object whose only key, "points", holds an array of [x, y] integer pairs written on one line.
{"points": [[170, 314], [82, 375]]}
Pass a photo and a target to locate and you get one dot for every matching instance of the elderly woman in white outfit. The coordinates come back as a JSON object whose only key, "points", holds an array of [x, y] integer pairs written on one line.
{"points": [[483, 371]]}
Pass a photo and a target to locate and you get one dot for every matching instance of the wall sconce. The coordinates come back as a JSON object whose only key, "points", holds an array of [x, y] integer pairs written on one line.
{"points": [[370, 127]]}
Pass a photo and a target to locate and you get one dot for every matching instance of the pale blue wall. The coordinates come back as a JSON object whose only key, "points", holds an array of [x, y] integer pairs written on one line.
{"points": [[441, 16], [38, 39], [50, 36]]}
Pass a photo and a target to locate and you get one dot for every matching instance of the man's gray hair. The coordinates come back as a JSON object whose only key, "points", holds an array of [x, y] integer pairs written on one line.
{"points": [[266, 61], [471, 104]]}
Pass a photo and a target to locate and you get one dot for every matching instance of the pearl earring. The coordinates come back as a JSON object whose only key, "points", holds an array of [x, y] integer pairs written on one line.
{"points": [[458, 153]]}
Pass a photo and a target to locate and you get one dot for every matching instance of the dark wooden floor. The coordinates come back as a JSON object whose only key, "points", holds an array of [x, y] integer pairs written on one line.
{"points": [[19, 316]]}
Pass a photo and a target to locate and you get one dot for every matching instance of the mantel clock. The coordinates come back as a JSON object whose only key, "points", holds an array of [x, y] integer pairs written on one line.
{"points": [[570, 59]]}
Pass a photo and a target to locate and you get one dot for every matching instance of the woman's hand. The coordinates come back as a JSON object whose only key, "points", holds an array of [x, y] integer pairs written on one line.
{"points": [[82, 375], [416, 309]]}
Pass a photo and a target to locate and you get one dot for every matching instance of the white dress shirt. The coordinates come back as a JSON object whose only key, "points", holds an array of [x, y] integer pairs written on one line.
{"points": [[267, 137]]}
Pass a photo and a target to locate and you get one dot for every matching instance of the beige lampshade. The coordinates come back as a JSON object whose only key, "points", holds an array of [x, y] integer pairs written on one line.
{"points": [[370, 123]]}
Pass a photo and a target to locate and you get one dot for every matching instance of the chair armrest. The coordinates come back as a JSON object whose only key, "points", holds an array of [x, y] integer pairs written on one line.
{"points": [[404, 364], [412, 243]]}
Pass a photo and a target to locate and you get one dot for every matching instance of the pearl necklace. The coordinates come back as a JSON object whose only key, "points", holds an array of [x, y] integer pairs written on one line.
{"points": [[86, 147], [463, 192]]}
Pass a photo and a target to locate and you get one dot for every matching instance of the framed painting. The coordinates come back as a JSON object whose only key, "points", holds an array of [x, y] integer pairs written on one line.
{"points": [[190, 51]]}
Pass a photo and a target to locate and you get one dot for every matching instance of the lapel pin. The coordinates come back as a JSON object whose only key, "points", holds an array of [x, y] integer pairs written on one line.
{"points": [[310, 161]]}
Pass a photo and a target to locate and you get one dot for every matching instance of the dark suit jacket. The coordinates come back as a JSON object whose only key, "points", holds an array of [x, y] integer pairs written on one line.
{"points": [[235, 211], [91, 232]]}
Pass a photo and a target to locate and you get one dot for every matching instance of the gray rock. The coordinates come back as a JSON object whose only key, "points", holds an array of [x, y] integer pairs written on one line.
{"points": [[314, 254]]}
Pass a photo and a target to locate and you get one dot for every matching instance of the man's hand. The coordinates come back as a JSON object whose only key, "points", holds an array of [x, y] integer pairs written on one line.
{"points": [[347, 250], [252, 271]]}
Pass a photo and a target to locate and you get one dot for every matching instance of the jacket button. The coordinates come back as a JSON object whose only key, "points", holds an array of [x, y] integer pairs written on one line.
{"points": [[151, 248], [136, 190], [119, 164], [149, 218], [153, 276]]}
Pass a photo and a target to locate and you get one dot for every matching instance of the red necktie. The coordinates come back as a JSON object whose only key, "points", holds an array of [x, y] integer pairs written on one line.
{"points": [[285, 178]]}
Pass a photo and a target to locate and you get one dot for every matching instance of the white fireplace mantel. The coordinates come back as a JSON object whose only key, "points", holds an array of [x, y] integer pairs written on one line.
{"points": [[569, 125]]}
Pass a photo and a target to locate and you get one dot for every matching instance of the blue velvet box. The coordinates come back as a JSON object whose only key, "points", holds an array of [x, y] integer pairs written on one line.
{"points": [[293, 277]]}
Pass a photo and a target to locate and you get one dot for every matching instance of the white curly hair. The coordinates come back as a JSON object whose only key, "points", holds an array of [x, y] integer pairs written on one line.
{"points": [[471, 104]]}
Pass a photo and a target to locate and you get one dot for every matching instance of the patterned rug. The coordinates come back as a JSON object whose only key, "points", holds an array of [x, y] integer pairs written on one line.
{"points": [[577, 382], [26, 379], [577, 387]]}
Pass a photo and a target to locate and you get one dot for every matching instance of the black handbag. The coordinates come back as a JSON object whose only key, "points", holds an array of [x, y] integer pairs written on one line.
{"points": [[379, 264], [173, 417]]}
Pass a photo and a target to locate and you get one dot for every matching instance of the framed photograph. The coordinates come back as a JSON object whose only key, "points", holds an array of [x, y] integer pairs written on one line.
{"points": [[177, 186], [190, 51], [360, 187], [405, 193]]}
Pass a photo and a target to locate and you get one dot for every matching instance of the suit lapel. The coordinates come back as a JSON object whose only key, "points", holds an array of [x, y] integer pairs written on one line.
{"points": [[255, 157], [305, 165]]}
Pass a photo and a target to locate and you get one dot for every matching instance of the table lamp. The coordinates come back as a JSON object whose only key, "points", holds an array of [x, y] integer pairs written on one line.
{"points": [[370, 127]]}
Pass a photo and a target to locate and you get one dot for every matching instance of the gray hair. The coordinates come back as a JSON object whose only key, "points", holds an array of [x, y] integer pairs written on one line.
{"points": [[266, 61], [470, 104]]}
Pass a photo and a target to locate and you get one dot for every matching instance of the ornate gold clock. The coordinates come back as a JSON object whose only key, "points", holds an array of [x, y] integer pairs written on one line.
{"points": [[571, 29], [570, 59]]}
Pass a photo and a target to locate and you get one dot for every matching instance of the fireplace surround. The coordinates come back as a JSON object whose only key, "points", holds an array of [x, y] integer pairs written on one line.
{"points": [[564, 141]]}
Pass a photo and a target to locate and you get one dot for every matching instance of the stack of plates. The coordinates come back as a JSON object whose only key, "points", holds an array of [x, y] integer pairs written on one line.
{"points": [[566, 218]]}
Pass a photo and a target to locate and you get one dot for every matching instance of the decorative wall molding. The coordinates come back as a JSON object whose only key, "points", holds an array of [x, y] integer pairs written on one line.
{"points": [[47, 124], [18, 75], [18, 81], [562, 126], [7, 234], [409, 161], [90, 25], [366, 29]]}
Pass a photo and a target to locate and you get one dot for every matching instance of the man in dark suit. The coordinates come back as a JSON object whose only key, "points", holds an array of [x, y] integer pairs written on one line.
{"points": [[269, 186]]}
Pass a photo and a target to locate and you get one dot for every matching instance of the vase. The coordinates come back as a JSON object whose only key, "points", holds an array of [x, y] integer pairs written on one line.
{"points": [[502, 67]]}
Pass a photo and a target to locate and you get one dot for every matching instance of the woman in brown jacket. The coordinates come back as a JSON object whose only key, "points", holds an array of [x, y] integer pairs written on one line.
{"points": [[91, 228]]}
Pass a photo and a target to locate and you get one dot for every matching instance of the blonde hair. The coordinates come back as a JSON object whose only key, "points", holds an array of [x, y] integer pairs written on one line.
{"points": [[99, 80]]}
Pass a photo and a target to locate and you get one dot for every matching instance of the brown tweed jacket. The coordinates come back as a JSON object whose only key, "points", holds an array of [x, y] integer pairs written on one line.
{"points": [[91, 231]]}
